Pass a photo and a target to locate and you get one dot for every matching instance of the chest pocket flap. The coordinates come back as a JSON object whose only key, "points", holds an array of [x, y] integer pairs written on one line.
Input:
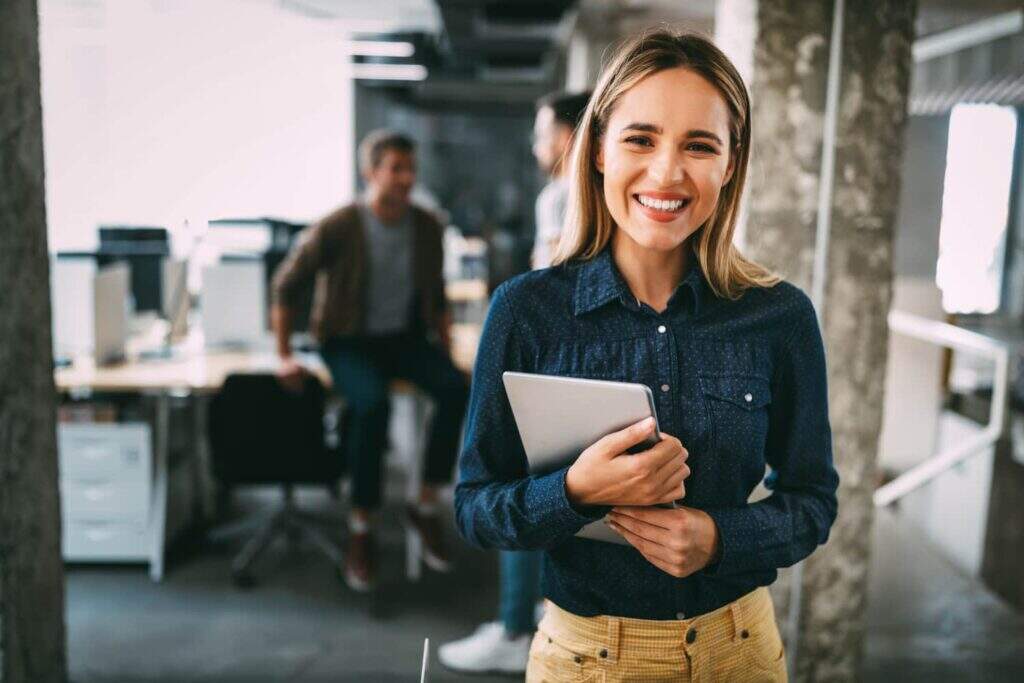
{"points": [[749, 392]]}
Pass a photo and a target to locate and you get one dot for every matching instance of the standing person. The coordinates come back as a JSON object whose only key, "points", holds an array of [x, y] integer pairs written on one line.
{"points": [[380, 313], [649, 288], [504, 645], [557, 116]]}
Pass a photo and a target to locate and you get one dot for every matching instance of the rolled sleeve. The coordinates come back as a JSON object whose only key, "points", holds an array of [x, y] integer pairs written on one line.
{"points": [[787, 526], [301, 265], [497, 503]]}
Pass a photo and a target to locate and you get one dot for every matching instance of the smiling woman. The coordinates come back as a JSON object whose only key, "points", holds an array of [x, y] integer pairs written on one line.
{"points": [[649, 288], [668, 140]]}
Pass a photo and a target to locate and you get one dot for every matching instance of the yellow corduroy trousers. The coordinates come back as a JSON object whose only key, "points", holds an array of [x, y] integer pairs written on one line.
{"points": [[737, 643]]}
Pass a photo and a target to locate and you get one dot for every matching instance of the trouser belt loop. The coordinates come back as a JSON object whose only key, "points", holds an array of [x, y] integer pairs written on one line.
{"points": [[613, 640]]}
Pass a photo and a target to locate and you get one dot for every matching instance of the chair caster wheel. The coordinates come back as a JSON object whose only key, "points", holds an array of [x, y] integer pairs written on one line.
{"points": [[243, 580]]}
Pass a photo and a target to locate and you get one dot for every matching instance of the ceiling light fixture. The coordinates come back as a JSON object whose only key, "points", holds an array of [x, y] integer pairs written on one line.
{"points": [[389, 72], [378, 48]]}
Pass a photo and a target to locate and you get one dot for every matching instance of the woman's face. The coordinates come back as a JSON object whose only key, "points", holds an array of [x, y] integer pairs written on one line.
{"points": [[665, 156]]}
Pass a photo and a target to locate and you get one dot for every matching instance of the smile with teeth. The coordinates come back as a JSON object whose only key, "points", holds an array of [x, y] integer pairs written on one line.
{"points": [[670, 205]]}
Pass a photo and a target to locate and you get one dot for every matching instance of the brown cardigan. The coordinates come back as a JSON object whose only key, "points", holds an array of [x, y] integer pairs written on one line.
{"points": [[333, 251]]}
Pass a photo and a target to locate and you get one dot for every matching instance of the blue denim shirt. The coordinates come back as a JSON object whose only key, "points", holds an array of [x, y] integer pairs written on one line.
{"points": [[740, 383]]}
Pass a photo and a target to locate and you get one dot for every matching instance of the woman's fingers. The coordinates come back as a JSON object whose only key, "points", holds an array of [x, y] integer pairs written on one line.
{"points": [[648, 532], [661, 542], [660, 517], [675, 460], [664, 485], [672, 477], [650, 549], [600, 476], [651, 471], [618, 442]]}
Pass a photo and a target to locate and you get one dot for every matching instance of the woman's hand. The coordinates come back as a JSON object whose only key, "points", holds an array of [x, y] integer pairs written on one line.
{"points": [[678, 541], [605, 474]]}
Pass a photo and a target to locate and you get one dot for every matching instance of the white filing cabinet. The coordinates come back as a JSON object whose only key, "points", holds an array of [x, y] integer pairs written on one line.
{"points": [[106, 483]]}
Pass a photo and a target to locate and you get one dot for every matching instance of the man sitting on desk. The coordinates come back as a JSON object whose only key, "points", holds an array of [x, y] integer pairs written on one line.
{"points": [[380, 313]]}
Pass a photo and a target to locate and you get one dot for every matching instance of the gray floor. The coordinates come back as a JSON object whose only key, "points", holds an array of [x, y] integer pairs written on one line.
{"points": [[925, 621], [928, 622]]}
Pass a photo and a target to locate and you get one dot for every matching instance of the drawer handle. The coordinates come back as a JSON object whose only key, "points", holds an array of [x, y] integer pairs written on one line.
{"points": [[99, 534], [96, 453], [95, 493]]}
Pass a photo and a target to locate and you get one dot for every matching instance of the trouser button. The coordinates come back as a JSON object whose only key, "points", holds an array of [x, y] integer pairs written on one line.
{"points": [[691, 636]]}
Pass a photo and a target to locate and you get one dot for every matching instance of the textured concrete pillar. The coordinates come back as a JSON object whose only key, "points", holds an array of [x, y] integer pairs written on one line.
{"points": [[31, 572], [788, 89]]}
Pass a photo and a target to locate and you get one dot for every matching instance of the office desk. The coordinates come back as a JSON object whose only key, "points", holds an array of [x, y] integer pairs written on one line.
{"points": [[194, 373], [202, 371]]}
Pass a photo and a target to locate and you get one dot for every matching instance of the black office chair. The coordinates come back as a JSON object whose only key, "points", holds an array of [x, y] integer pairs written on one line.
{"points": [[261, 433]]}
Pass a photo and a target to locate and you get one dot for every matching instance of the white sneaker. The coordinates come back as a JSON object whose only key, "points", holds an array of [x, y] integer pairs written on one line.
{"points": [[487, 650]]}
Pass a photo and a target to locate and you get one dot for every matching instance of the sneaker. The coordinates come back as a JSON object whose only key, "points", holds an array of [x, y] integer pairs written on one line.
{"points": [[360, 572], [488, 650], [428, 528]]}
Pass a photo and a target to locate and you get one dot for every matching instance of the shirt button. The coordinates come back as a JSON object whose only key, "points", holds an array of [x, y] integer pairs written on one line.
{"points": [[748, 397], [680, 616], [661, 329], [664, 387]]}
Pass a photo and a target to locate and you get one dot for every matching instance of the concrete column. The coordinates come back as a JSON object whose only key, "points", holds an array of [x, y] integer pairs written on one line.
{"points": [[788, 90], [31, 571]]}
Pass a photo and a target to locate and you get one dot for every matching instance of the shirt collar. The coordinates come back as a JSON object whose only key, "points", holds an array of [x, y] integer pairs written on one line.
{"points": [[598, 281]]}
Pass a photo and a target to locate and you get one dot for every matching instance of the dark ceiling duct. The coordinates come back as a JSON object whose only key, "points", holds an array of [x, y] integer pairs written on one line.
{"points": [[490, 42]]}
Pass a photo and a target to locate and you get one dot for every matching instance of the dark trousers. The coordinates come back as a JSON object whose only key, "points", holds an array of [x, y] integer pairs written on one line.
{"points": [[362, 368]]}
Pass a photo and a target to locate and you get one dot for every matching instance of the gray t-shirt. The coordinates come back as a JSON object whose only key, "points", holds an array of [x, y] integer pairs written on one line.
{"points": [[390, 285]]}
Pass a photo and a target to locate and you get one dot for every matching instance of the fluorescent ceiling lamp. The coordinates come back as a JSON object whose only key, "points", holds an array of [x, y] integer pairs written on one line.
{"points": [[378, 48], [962, 37], [389, 72]]}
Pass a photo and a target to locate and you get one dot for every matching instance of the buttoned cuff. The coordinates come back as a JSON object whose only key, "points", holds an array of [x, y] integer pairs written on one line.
{"points": [[556, 508], [732, 540]]}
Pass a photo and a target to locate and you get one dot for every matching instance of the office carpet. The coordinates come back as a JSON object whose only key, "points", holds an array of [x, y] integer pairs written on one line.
{"points": [[926, 622]]}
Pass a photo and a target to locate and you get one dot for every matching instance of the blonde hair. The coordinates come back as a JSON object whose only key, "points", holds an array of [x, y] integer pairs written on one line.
{"points": [[589, 225]]}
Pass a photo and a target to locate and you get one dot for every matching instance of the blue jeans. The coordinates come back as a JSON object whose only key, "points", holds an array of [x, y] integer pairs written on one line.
{"points": [[362, 368], [520, 590]]}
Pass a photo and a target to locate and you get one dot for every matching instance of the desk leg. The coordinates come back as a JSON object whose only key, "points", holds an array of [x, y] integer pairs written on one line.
{"points": [[158, 504], [204, 487]]}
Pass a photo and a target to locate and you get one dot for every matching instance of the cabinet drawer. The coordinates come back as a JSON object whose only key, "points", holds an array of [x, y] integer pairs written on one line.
{"points": [[105, 541], [108, 451], [111, 499]]}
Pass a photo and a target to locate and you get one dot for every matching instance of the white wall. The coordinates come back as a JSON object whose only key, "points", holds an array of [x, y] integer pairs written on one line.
{"points": [[913, 381], [156, 112], [952, 510]]}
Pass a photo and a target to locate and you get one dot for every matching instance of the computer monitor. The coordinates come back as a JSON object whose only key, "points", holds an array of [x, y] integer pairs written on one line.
{"points": [[110, 324], [233, 303], [71, 293], [270, 239], [89, 307], [144, 250]]}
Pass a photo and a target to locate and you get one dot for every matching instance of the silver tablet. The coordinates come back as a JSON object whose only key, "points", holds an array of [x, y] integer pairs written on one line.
{"points": [[559, 417]]}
